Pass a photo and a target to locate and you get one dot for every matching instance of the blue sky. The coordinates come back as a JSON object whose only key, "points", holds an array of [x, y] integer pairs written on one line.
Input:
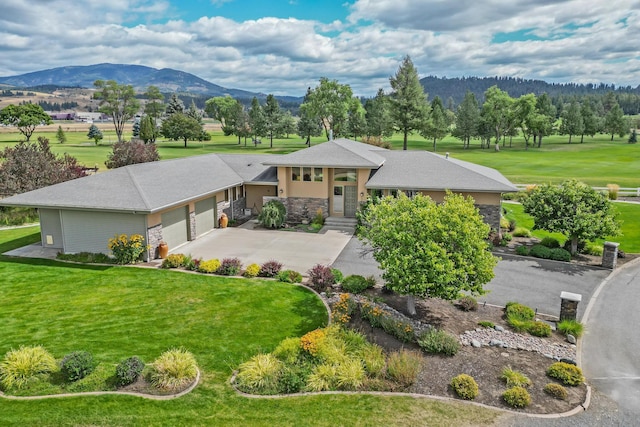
{"points": [[285, 46]]}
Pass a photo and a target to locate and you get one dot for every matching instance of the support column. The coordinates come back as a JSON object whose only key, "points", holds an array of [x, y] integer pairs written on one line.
{"points": [[569, 305], [610, 255]]}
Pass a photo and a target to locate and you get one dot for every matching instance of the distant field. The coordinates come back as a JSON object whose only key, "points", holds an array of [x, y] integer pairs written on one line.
{"points": [[598, 161]]}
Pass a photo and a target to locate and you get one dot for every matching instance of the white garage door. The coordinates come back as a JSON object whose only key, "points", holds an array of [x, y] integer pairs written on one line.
{"points": [[174, 227], [205, 215]]}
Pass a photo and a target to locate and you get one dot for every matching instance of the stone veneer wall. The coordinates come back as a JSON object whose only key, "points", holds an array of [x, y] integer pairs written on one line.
{"points": [[192, 225], [295, 207], [235, 210], [491, 215], [155, 237], [222, 207]]}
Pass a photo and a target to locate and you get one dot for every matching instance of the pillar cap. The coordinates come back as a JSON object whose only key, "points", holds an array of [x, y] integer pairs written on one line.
{"points": [[612, 244], [571, 296]]}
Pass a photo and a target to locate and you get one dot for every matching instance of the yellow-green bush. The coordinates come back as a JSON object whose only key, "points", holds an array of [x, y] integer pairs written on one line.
{"points": [[403, 366], [322, 378], [556, 391], [517, 397], [19, 366], [566, 373], [465, 386], [174, 368], [515, 378], [252, 270], [173, 261], [209, 266], [288, 350], [260, 373], [350, 374]]}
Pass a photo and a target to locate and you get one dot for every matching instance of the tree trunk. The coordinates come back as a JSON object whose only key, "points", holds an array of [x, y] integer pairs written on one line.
{"points": [[185, 143], [404, 146], [569, 138], [582, 138], [411, 305], [574, 245]]}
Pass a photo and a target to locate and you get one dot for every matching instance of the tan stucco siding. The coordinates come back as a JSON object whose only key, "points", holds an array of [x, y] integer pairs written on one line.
{"points": [[255, 193]]}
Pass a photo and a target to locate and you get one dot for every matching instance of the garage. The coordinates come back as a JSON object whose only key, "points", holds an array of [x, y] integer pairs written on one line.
{"points": [[175, 227], [90, 231], [205, 215]]}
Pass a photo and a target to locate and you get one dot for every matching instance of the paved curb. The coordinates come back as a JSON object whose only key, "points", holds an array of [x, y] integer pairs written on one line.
{"points": [[103, 393], [572, 412]]}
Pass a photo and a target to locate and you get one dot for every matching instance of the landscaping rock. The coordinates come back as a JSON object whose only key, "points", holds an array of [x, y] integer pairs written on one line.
{"points": [[496, 343], [476, 343], [498, 328], [508, 339], [571, 339]]}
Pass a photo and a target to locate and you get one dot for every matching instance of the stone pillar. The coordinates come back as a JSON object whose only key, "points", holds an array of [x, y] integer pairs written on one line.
{"points": [[610, 255], [569, 305]]}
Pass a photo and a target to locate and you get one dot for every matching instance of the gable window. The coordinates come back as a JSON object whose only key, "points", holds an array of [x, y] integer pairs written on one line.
{"points": [[317, 174], [295, 174], [348, 175]]}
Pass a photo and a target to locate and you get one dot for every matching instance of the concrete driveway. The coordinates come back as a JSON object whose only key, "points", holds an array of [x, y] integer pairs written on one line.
{"points": [[534, 282], [297, 251]]}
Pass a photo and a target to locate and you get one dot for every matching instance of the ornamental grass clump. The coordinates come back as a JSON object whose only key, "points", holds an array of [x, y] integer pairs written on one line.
{"points": [[572, 327], [77, 365], [350, 374], [437, 341], [515, 378], [174, 369], [403, 366], [566, 373], [260, 374], [288, 350], [19, 366], [128, 370], [127, 249], [465, 386], [468, 303]]}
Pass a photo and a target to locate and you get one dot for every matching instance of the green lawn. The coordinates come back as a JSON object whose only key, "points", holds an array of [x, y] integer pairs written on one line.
{"points": [[598, 161], [628, 214], [116, 312]]}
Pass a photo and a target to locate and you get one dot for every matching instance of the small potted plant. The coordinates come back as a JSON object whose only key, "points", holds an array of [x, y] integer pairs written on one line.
{"points": [[223, 221], [163, 250]]}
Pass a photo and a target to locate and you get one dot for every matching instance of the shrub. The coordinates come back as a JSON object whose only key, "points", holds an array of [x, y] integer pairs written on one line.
{"points": [[514, 378], [437, 341], [321, 276], [566, 373], [372, 313], [252, 270], [520, 311], [350, 374], [292, 378], [592, 248], [127, 249], [192, 264], [260, 373], [539, 329], [468, 303], [19, 366], [128, 370], [174, 368], [337, 275], [504, 223], [559, 254], [230, 267], [398, 328], [613, 190], [270, 269], [209, 266], [522, 250], [521, 232], [550, 242], [570, 326], [486, 324], [517, 397], [343, 309], [322, 378], [289, 276], [556, 391], [403, 366], [465, 386], [288, 350], [86, 258], [77, 365], [355, 284], [273, 214], [540, 251], [319, 218], [311, 341], [173, 261]]}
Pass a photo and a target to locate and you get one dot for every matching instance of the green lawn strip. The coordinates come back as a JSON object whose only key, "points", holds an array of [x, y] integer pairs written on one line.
{"points": [[116, 312], [628, 214]]}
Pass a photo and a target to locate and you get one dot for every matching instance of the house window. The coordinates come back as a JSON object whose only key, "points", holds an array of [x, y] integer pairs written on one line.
{"points": [[226, 195], [394, 193], [306, 174], [376, 193], [348, 175], [295, 174], [317, 174]]}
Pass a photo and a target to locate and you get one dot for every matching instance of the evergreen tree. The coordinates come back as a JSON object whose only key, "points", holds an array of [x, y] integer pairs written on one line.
{"points": [[589, 119], [467, 119], [272, 117], [257, 121], [136, 127], [60, 136], [287, 125], [409, 108], [174, 106], [356, 122], [614, 122], [148, 130], [378, 116], [154, 106], [193, 112], [95, 133], [633, 137], [437, 127]]}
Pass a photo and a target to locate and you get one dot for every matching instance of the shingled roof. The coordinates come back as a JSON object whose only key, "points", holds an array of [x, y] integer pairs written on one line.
{"points": [[423, 170], [339, 153]]}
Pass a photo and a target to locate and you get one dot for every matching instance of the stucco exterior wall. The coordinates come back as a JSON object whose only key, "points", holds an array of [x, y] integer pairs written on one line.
{"points": [[255, 193]]}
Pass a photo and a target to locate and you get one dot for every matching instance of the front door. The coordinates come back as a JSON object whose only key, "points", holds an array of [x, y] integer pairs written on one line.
{"points": [[350, 200]]}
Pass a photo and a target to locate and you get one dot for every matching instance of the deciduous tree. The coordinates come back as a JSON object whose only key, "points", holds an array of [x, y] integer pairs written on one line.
{"points": [[572, 123], [330, 102], [614, 122], [437, 127], [409, 107], [573, 209], [130, 153], [225, 110], [25, 117], [117, 101], [179, 126], [427, 249], [309, 125], [496, 111], [467, 119]]}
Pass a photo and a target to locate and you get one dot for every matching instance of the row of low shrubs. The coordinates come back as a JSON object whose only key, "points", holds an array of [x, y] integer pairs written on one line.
{"points": [[517, 395], [541, 251], [29, 364], [522, 319], [332, 358]]}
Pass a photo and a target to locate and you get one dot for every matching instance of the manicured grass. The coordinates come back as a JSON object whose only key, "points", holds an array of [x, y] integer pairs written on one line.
{"points": [[628, 214], [116, 312]]}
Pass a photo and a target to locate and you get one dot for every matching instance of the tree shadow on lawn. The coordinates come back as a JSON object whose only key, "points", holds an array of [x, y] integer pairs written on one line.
{"points": [[311, 316], [52, 263]]}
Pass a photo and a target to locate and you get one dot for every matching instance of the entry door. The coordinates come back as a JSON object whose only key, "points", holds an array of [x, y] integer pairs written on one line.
{"points": [[338, 199], [350, 200]]}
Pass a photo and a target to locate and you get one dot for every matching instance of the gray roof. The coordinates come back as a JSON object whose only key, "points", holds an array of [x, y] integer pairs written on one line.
{"points": [[145, 187], [251, 167], [339, 153], [422, 170]]}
